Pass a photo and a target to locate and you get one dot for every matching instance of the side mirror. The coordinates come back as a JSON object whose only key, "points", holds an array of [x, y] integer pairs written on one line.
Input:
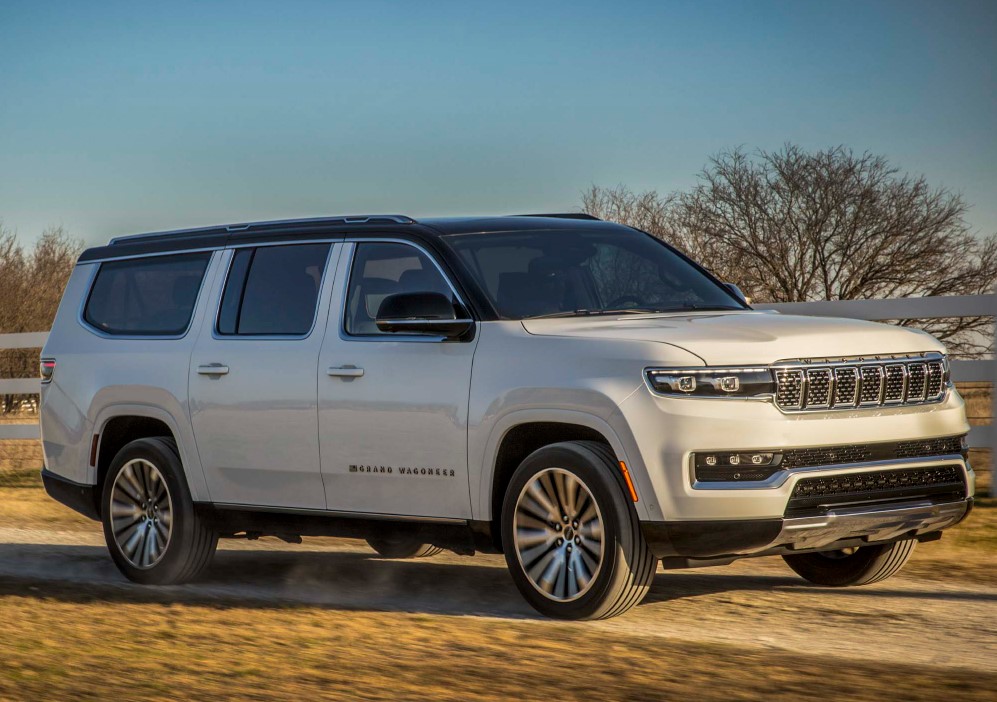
{"points": [[421, 313], [738, 293]]}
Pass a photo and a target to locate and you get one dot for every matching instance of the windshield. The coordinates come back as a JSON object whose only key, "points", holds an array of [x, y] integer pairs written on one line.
{"points": [[558, 273]]}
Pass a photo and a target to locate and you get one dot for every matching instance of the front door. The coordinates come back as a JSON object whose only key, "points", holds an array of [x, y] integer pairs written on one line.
{"points": [[392, 408], [253, 399]]}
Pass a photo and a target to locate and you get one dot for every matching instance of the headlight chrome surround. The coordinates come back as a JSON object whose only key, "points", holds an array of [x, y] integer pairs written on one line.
{"points": [[738, 382]]}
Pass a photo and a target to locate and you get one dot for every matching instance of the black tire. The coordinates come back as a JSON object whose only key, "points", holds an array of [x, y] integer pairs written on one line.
{"points": [[624, 574], [189, 545], [864, 566], [389, 547]]}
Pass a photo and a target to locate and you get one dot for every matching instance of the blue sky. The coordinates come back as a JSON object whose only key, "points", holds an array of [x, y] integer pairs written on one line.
{"points": [[118, 118]]}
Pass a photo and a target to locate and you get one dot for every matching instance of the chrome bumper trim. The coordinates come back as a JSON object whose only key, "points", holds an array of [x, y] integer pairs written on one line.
{"points": [[880, 523]]}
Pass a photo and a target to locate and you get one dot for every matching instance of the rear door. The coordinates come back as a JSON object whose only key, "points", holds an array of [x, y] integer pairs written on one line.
{"points": [[392, 407], [253, 400]]}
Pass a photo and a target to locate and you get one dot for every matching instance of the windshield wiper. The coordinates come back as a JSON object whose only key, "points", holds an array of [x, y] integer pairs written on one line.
{"points": [[595, 313], [636, 310], [702, 308]]}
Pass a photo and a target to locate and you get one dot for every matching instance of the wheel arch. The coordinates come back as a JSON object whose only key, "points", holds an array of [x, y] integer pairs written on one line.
{"points": [[119, 424], [518, 434]]}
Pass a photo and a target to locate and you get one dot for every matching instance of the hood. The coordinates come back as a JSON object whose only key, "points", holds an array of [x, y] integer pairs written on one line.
{"points": [[750, 337]]}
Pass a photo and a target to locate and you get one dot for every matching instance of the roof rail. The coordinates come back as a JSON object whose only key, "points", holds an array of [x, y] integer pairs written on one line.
{"points": [[562, 215], [232, 228]]}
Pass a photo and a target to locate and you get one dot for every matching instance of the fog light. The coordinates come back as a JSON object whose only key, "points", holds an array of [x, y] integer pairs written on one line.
{"points": [[736, 466]]}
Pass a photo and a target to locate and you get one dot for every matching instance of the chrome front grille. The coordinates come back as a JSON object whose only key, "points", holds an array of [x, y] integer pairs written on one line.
{"points": [[861, 382]]}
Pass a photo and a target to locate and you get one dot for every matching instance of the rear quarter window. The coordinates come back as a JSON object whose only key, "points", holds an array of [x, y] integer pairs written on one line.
{"points": [[146, 296]]}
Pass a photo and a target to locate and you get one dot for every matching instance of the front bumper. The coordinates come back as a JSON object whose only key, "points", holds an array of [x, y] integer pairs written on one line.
{"points": [[668, 431], [837, 528]]}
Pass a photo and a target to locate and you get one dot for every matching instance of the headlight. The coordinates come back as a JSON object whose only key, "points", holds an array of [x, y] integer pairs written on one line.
{"points": [[712, 382]]}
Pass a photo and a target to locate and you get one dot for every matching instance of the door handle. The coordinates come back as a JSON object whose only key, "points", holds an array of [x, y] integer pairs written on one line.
{"points": [[345, 372], [212, 369]]}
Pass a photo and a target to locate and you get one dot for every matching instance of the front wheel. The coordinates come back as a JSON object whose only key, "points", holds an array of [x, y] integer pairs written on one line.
{"points": [[152, 531], [571, 536], [852, 566]]}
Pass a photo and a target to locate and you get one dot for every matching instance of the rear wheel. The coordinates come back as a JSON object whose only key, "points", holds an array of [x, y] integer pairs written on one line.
{"points": [[852, 566], [152, 532], [390, 547], [571, 536]]}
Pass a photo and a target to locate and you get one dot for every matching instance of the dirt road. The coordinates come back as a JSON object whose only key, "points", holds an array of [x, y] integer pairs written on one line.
{"points": [[753, 604]]}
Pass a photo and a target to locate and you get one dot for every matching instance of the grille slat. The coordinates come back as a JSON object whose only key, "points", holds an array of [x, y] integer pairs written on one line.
{"points": [[934, 384], [917, 375], [789, 389], [871, 392], [896, 377], [819, 387], [863, 383], [846, 386]]}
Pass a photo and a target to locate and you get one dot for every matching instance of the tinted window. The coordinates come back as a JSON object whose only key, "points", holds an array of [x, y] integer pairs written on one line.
{"points": [[273, 290], [565, 272], [380, 270], [146, 297]]}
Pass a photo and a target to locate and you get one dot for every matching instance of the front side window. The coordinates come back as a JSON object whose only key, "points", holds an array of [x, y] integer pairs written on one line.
{"points": [[146, 296], [383, 269], [585, 272], [273, 290]]}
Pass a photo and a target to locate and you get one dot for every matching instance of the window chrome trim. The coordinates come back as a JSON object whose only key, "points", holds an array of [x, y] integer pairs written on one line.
{"points": [[390, 336]]}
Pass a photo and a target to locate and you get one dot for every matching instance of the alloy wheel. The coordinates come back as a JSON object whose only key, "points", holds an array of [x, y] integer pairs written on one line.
{"points": [[141, 513], [558, 533]]}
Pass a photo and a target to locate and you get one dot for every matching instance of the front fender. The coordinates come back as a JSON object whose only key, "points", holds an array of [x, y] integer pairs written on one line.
{"points": [[614, 430]]}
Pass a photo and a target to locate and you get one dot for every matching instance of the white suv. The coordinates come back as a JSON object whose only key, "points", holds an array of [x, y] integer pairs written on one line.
{"points": [[572, 393]]}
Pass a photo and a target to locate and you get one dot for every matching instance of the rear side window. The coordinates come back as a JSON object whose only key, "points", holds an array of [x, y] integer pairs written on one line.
{"points": [[273, 290], [146, 296]]}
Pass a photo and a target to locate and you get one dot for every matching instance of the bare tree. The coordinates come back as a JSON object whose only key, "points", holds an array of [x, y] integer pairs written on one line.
{"points": [[792, 226], [31, 286]]}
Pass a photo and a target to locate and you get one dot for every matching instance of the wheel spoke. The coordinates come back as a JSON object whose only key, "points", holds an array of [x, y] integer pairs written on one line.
{"points": [[536, 510], [531, 555], [571, 488], [542, 499], [581, 577], [527, 538], [133, 542], [552, 572], [130, 485], [122, 509]]}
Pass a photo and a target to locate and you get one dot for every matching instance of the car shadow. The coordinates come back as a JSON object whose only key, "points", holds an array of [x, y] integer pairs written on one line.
{"points": [[359, 581]]}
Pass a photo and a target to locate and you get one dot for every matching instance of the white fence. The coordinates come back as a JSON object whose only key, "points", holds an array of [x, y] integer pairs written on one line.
{"points": [[900, 308]]}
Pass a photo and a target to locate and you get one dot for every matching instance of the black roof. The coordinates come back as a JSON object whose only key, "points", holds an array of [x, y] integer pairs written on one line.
{"points": [[322, 227]]}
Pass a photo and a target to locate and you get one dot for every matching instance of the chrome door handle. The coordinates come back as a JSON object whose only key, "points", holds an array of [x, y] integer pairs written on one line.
{"points": [[213, 369], [345, 371]]}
